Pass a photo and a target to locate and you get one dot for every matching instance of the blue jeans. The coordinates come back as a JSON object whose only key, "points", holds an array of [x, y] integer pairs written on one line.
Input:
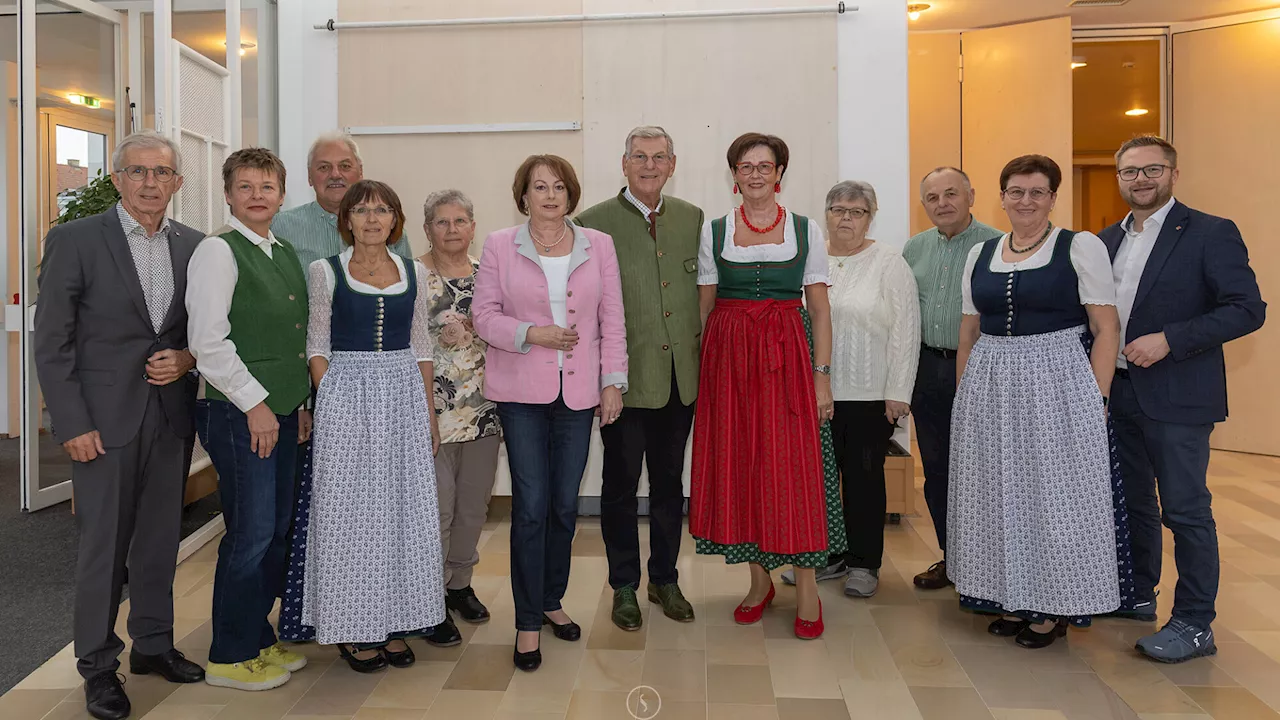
{"points": [[257, 505], [547, 452], [1175, 458]]}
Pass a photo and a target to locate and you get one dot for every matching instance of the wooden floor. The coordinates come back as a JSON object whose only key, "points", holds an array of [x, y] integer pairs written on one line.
{"points": [[902, 654]]}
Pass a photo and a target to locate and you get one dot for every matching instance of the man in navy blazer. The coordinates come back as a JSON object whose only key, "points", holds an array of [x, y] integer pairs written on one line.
{"points": [[1183, 288]]}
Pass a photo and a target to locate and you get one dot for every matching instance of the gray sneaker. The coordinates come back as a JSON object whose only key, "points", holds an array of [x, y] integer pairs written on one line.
{"points": [[835, 570], [862, 583], [1178, 641]]}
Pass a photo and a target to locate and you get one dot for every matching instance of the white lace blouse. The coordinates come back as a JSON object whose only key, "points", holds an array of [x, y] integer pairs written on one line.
{"points": [[320, 285]]}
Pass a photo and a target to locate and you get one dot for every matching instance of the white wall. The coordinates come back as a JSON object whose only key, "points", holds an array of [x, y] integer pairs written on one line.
{"points": [[307, 84]]}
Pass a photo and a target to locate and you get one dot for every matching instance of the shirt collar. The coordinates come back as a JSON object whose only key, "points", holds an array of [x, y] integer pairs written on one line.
{"points": [[644, 209], [967, 228], [252, 236], [328, 216], [130, 224], [1158, 217]]}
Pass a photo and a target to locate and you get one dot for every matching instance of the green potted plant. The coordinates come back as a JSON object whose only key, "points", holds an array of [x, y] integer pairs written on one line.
{"points": [[92, 199]]}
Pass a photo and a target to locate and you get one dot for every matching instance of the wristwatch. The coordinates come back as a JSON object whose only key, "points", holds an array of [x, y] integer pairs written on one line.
{"points": [[824, 369]]}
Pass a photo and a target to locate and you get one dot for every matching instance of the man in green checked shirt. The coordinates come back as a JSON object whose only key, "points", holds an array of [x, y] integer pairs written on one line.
{"points": [[937, 258], [333, 165]]}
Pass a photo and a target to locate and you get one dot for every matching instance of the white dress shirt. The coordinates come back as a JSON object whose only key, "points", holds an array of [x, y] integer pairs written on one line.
{"points": [[1131, 260], [211, 282]]}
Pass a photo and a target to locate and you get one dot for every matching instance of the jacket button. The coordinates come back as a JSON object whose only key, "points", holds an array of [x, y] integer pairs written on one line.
{"points": [[568, 356], [573, 326], [569, 373], [298, 326], [667, 314], [572, 311], [568, 293], [302, 356], [665, 283], [666, 347], [659, 253], [292, 297]]}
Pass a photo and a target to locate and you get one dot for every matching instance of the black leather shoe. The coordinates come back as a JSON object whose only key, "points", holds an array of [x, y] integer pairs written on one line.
{"points": [[528, 661], [1004, 627], [569, 631], [935, 578], [445, 634], [402, 659], [104, 697], [171, 665], [374, 664], [1033, 640], [467, 605]]}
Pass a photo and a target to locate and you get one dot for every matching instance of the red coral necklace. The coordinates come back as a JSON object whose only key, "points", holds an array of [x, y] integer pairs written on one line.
{"points": [[742, 210]]}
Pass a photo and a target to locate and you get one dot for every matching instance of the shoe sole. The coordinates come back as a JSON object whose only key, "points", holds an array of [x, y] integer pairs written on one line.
{"points": [[1205, 652], [218, 681], [292, 667], [857, 594], [148, 671]]}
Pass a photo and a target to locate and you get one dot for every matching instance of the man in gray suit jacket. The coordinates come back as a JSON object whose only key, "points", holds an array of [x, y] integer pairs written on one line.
{"points": [[111, 355]]}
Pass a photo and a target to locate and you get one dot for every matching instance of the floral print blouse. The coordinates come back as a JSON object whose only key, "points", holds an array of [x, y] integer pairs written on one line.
{"points": [[463, 412]]}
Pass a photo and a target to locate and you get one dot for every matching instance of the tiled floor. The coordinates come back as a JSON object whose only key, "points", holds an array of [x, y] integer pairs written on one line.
{"points": [[901, 654]]}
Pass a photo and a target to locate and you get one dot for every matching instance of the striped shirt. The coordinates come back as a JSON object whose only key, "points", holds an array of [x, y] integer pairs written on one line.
{"points": [[938, 264], [313, 233]]}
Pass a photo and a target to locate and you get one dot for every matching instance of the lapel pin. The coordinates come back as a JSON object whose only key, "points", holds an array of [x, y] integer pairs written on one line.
{"points": [[1178, 227]]}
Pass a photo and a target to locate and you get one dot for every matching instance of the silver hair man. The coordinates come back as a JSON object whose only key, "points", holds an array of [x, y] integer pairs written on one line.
{"points": [[145, 139]]}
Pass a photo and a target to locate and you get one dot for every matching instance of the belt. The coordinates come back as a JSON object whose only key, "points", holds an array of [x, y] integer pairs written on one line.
{"points": [[944, 353], [1122, 373]]}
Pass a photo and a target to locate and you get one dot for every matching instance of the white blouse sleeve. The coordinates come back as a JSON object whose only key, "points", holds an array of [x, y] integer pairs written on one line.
{"points": [[966, 280], [420, 332], [320, 282], [816, 268], [1093, 268], [904, 332], [707, 272]]}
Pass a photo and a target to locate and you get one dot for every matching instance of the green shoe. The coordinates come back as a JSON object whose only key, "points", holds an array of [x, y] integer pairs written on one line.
{"points": [[672, 601], [626, 609]]}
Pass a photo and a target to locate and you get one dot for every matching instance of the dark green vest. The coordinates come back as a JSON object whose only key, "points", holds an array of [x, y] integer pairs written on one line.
{"points": [[269, 321], [760, 281]]}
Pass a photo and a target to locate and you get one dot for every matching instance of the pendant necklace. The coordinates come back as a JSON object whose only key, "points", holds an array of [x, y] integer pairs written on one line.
{"points": [[545, 247]]}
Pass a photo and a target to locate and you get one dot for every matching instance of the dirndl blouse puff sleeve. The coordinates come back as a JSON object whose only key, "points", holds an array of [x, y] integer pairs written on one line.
{"points": [[815, 265], [320, 285], [1089, 257]]}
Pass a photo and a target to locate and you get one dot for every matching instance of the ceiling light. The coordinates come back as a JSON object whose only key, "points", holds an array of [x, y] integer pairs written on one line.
{"points": [[1136, 112], [244, 46], [1078, 61], [914, 10]]}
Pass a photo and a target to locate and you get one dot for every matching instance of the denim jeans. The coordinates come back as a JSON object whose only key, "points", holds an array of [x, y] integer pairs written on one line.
{"points": [[257, 505], [547, 452]]}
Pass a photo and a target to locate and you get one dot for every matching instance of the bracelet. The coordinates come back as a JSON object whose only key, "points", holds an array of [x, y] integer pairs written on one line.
{"points": [[824, 369]]}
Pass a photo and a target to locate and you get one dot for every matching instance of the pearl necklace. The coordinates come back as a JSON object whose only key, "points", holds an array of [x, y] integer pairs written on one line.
{"points": [[545, 247]]}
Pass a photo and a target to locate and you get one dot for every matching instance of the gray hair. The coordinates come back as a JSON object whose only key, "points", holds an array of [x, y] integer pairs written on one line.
{"points": [[334, 137], [440, 198], [968, 186], [145, 139], [851, 190], [650, 132]]}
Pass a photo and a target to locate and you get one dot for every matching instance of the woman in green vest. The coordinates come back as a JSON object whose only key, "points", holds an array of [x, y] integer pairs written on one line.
{"points": [[247, 328], [765, 488]]}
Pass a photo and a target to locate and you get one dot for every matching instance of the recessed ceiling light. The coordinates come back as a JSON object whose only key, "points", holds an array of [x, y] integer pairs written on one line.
{"points": [[914, 10], [1136, 112]]}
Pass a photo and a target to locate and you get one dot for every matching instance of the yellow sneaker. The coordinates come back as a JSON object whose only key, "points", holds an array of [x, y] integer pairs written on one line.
{"points": [[280, 657], [252, 675]]}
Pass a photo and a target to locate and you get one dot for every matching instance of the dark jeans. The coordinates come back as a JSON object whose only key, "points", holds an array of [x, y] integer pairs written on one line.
{"points": [[931, 402], [547, 452], [257, 505], [660, 436], [1175, 458], [861, 436]]}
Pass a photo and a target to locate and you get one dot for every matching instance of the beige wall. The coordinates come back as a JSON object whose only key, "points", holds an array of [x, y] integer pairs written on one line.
{"points": [[1226, 86], [705, 81], [934, 87]]}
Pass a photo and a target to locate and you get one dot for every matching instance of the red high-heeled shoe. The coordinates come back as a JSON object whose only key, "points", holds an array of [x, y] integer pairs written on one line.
{"points": [[810, 629], [750, 614]]}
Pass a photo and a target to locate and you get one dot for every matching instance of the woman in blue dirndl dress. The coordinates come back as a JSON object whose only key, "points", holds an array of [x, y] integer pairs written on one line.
{"points": [[1036, 524]]}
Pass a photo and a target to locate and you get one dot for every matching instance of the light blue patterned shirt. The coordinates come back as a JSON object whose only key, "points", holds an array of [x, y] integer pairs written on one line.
{"points": [[313, 233]]}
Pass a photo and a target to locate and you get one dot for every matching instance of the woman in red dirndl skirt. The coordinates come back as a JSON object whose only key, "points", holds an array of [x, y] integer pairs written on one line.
{"points": [[764, 472]]}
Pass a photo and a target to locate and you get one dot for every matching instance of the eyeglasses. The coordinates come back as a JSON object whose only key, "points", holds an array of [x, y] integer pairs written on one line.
{"points": [[361, 211], [846, 213], [138, 173], [661, 159], [1017, 193], [1151, 171], [443, 224], [747, 169]]}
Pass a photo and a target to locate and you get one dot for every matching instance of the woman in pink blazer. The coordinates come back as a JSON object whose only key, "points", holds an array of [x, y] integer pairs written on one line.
{"points": [[548, 300]]}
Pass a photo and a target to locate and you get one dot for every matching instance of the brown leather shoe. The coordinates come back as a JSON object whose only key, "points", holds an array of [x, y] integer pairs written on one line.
{"points": [[935, 578]]}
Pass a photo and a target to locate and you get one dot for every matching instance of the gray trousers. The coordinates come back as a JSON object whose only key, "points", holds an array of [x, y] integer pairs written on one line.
{"points": [[464, 481], [129, 510]]}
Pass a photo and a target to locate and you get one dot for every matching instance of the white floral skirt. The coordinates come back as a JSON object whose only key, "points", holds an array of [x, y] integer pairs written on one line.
{"points": [[1030, 519], [374, 564]]}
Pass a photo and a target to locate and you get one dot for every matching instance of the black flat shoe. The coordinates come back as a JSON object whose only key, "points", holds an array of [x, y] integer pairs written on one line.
{"points": [[570, 631], [1033, 640], [377, 663], [171, 665], [402, 659], [467, 605], [104, 697], [444, 635], [1003, 627]]}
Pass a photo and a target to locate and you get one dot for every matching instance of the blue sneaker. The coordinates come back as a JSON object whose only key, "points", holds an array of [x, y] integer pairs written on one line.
{"points": [[1178, 641]]}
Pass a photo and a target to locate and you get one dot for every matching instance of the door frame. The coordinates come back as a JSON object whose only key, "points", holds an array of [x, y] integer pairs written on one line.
{"points": [[50, 119]]}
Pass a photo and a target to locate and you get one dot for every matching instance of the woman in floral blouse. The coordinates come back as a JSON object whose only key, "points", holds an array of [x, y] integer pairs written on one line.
{"points": [[469, 430]]}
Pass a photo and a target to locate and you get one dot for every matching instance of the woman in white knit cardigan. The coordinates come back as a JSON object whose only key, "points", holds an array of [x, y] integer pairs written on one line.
{"points": [[875, 320]]}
